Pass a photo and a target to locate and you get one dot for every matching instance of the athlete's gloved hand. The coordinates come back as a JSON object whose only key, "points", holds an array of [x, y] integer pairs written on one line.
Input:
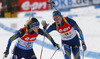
{"points": [[57, 46], [6, 53], [44, 24], [84, 45]]}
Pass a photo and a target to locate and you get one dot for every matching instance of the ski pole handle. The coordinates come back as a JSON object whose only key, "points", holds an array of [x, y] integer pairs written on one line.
{"points": [[52, 3]]}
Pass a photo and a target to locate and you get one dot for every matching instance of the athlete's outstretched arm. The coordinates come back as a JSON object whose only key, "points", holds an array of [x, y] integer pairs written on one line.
{"points": [[49, 37], [81, 36], [18, 34], [51, 28], [79, 31]]}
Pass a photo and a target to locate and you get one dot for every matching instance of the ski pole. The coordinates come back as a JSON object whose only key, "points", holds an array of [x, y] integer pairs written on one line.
{"points": [[3, 57], [42, 47], [43, 22], [52, 3], [83, 54], [62, 50], [54, 53], [31, 12]]}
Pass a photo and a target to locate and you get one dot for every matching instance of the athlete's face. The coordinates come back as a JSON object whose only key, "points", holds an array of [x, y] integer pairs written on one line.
{"points": [[58, 19], [35, 28]]}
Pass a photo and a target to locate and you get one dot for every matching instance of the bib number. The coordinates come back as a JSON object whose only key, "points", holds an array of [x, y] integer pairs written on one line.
{"points": [[66, 34], [28, 44]]}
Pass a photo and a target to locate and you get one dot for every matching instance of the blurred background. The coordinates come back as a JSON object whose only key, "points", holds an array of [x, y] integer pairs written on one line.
{"points": [[10, 8], [15, 13]]}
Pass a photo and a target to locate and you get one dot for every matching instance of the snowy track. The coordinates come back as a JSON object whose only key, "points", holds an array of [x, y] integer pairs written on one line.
{"points": [[86, 19]]}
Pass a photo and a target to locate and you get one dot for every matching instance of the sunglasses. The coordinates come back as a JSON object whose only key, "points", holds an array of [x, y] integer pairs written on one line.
{"points": [[57, 18], [35, 24]]}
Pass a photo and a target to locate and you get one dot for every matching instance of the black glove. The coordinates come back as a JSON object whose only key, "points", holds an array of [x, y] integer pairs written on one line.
{"points": [[6, 53], [84, 45], [57, 46], [44, 24]]}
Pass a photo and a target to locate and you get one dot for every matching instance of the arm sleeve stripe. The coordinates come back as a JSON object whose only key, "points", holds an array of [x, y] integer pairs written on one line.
{"points": [[48, 36], [14, 37], [79, 30]]}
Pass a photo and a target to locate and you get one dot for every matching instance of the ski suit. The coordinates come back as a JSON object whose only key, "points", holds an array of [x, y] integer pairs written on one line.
{"points": [[69, 36], [23, 48]]}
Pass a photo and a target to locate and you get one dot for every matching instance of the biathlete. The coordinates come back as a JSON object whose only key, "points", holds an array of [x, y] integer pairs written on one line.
{"points": [[68, 29], [26, 36]]}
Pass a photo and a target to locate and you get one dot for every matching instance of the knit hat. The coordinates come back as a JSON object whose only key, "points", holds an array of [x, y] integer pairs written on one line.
{"points": [[56, 13]]}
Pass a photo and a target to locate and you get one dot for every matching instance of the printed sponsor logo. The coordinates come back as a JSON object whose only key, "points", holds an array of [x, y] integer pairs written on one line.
{"points": [[35, 5], [65, 29], [30, 39], [70, 3]]}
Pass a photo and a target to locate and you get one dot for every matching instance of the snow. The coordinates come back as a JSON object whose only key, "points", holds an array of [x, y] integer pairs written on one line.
{"points": [[86, 19]]}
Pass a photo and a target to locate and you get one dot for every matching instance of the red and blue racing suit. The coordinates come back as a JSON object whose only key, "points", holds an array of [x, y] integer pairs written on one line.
{"points": [[23, 48], [69, 36]]}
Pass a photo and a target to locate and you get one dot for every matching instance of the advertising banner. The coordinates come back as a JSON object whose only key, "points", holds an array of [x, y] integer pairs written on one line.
{"points": [[96, 2], [63, 4], [25, 5]]}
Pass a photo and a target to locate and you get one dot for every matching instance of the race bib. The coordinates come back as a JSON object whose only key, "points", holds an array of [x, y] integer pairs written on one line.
{"points": [[28, 44], [66, 34]]}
